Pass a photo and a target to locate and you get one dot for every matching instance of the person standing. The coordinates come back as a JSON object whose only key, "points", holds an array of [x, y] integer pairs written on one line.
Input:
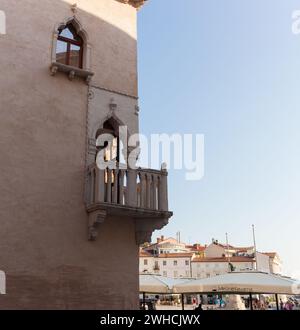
{"points": [[281, 304]]}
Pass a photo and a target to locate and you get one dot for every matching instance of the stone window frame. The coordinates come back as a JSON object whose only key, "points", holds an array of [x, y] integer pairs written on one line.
{"points": [[72, 71]]}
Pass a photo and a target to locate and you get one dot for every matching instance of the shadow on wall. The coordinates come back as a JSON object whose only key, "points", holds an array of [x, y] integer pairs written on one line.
{"points": [[112, 37], [48, 260]]}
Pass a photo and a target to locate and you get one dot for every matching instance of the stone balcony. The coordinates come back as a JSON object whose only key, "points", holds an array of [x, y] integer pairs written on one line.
{"points": [[140, 194]]}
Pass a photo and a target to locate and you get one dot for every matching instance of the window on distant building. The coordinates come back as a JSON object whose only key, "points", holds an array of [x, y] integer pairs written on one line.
{"points": [[145, 262], [164, 263], [175, 262], [69, 48], [165, 274], [187, 262]]}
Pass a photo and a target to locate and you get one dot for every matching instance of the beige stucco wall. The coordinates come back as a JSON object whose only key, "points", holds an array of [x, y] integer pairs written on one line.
{"points": [[149, 268], [45, 253], [214, 251], [205, 269], [263, 262]]}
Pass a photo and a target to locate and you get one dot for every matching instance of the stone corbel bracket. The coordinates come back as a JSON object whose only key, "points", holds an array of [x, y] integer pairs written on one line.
{"points": [[95, 219], [144, 229], [135, 3], [146, 221], [71, 71]]}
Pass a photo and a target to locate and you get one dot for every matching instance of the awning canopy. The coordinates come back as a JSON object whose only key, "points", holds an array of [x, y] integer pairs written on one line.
{"points": [[158, 284], [241, 282]]}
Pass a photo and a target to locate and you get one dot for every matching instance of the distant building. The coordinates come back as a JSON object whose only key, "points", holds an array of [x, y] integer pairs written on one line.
{"points": [[168, 245], [275, 262], [208, 267], [170, 258], [218, 250]]}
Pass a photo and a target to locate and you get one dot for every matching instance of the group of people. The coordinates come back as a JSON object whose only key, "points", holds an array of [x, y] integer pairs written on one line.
{"points": [[288, 306]]}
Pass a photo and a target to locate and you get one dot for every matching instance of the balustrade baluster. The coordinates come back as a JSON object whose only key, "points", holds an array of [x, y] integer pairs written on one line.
{"points": [[153, 192], [121, 182], [131, 190], [163, 192], [148, 190], [99, 185], [109, 184], [115, 186]]}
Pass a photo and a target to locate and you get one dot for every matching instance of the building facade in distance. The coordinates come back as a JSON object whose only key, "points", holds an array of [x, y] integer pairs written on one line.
{"points": [[198, 261]]}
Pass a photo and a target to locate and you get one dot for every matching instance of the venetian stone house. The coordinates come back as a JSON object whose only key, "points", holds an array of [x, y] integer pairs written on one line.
{"points": [[70, 232]]}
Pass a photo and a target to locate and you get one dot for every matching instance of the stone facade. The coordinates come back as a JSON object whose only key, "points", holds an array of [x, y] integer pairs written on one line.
{"points": [[47, 123]]}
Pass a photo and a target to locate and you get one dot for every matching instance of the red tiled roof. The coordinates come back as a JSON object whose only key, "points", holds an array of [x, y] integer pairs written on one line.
{"points": [[163, 241], [270, 254], [176, 255], [232, 259], [145, 254], [241, 249], [196, 247]]}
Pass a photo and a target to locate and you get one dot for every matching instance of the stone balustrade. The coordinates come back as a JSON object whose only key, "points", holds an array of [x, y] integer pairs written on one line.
{"points": [[140, 188]]}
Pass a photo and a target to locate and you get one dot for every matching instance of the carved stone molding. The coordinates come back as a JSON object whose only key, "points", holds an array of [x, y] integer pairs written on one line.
{"points": [[71, 71], [92, 147], [74, 8], [113, 105], [144, 229], [137, 110], [135, 3], [95, 219]]}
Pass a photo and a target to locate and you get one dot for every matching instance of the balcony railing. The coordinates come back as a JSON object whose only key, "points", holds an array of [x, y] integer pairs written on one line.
{"points": [[140, 194], [140, 188]]}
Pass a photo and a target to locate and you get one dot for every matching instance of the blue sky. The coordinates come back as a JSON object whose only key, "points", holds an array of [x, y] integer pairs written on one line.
{"points": [[229, 70]]}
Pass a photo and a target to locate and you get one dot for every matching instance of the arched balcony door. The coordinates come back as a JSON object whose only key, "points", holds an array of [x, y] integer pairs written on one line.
{"points": [[111, 146]]}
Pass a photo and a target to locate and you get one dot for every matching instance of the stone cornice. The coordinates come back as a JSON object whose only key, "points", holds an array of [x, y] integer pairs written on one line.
{"points": [[135, 3]]}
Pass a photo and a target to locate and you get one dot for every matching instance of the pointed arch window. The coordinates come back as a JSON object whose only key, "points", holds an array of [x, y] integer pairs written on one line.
{"points": [[112, 147], [71, 51], [69, 48]]}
